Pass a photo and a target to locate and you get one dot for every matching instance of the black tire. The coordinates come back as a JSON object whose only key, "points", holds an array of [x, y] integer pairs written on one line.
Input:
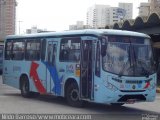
{"points": [[1, 72], [24, 87], [34, 94], [72, 95]]}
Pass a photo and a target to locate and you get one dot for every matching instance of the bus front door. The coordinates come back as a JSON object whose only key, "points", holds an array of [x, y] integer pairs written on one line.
{"points": [[86, 69], [51, 71]]}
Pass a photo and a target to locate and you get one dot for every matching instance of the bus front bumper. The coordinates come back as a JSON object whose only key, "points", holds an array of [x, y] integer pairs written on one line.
{"points": [[127, 97]]}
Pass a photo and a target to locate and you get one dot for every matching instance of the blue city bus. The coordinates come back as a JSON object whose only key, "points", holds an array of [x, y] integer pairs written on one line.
{"points": [[103, 66], [1, 57]]}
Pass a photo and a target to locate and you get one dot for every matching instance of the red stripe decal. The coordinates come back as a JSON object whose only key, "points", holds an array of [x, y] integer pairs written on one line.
{"points": [[35, 78], [147, 85]]}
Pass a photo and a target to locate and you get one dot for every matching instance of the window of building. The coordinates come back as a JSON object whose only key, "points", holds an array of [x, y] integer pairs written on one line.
{"points": [[33, 50], [18, 50], [115, 16], [115, 20], [70, 49]]}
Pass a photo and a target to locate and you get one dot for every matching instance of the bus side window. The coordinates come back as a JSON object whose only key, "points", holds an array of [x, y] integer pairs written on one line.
{"points": [[18, 50], [43, 49], [8, 50], [70, 49], [33, 50], [63, 54], [97, 70]]}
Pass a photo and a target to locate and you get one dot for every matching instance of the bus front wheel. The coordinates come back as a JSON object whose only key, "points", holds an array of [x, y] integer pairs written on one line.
{"points": [[72, 95], [24, 87]]}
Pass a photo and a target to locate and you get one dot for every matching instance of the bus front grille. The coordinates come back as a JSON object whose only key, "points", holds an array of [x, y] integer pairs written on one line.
{"points": [[125, 98], [132, 90]]}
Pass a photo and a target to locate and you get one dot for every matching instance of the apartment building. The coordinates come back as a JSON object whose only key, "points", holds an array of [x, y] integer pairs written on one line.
{"points": [[7, 18], [152, 6], [144, 9], [98, 16], [128, 7], [79, 26]]}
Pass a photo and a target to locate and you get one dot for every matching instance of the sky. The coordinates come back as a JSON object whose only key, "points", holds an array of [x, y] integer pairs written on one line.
{"points": [[57, 15]]}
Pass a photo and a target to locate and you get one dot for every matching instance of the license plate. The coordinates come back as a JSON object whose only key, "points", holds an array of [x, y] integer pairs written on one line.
{"points": [[131, 101]]}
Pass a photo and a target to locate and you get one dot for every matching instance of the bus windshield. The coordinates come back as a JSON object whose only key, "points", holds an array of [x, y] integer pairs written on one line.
{"points": [[129, 56]]}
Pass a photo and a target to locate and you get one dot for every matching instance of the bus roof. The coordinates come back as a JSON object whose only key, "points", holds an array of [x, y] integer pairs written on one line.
{"points": [[96, 32]]}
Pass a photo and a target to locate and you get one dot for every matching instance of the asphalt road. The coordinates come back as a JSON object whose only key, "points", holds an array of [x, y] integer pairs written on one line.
{"points": [[12, 102]]}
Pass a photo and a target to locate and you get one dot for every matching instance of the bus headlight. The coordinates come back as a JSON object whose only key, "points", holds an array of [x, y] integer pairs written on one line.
{"points": [[110, 86]]}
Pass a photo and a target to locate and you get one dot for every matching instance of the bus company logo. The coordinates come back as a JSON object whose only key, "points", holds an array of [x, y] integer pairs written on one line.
{"points": [[134, 87]]}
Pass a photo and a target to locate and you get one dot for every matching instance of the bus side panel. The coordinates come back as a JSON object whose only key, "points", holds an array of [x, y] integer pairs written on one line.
{"points": [[67, 67], [26, 69], [49, 84], [37, 76], [9, 78], [69, 73], [100, 94], [14, 69]]}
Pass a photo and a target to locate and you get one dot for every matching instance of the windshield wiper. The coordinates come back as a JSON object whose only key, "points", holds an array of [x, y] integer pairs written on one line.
{"points": [[144, 71], [121, 71]]}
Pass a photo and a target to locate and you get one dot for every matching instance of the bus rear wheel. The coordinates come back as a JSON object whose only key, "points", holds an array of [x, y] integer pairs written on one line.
{"points": [[24, 87], [72, 95]]}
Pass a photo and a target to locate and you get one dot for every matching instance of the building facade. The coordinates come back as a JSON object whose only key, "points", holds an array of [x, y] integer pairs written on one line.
{"points": [[34, 30], [98, 16], [128, 7], [115, 15], [79, 26], [7, 18], [144, 9], [152, 6]]}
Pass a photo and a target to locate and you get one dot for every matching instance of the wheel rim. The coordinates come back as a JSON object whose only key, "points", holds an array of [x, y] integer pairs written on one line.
{"points": [[74, 95]]}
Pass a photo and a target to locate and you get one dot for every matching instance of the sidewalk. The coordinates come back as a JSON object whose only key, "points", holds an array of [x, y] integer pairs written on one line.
{"points": [[158, 90]]}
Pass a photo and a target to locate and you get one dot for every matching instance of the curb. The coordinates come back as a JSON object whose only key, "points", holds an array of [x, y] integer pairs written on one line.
{"points": [[158, 90]]}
